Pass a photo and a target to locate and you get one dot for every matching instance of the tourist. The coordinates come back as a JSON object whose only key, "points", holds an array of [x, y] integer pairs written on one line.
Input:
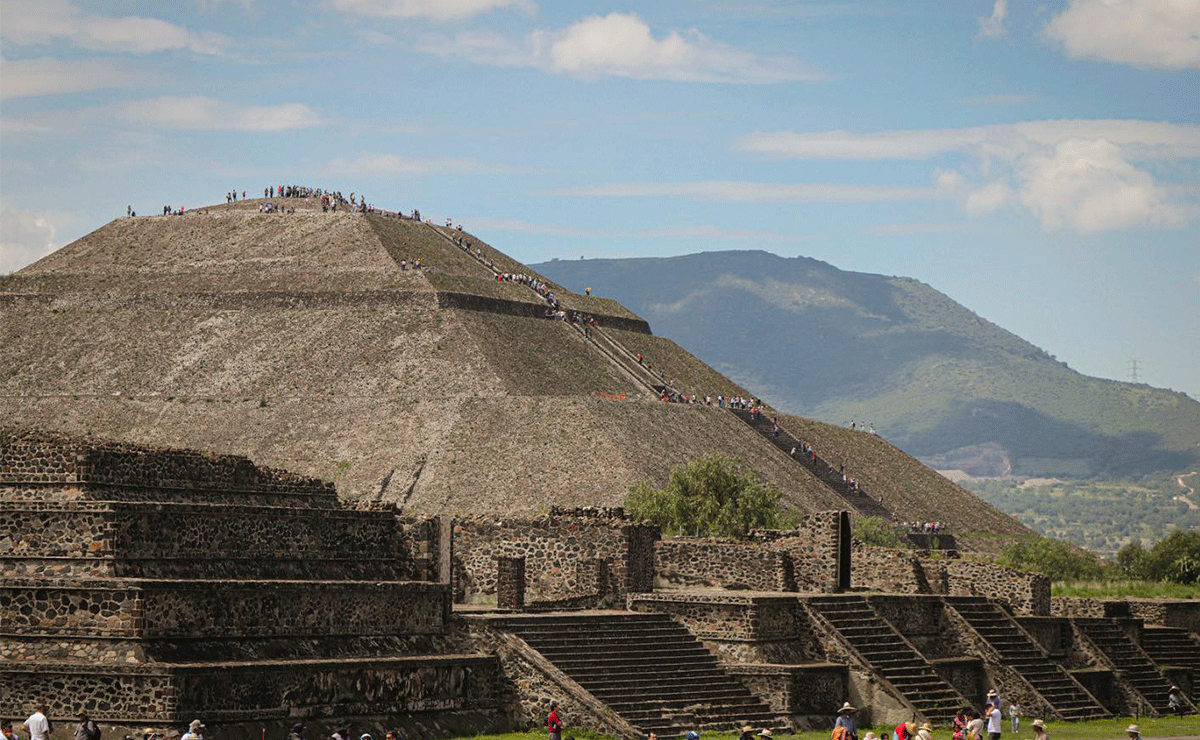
{"points": [[995, 722], [297, 732], [37, 724], [195, 731], [392, 735], [1134, 732], [926, 732], [870, 736], [1014, 716], [993, 699], [959, 725], [692, 735], [554, 724], [747, 733], [1175, 701], [974, 725], [846, 719], [1039, 730], [764, 732], [86, 729], [906, 730], [6, 731]]}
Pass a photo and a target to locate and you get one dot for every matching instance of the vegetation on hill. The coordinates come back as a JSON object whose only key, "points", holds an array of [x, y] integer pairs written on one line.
{"points": [[1101, 515], [711, 497], [928, 373], [1173, 560]]}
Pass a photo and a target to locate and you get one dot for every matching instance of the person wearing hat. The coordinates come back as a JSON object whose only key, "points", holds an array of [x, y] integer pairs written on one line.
{"points": [[86, 729], [906, 730], [764, 732], [747, 733], [993, 699], [1134, 732], [846, 719], [1175, 701], [995, 722], [365, 736], [1039, 730], [870, 736], [195, 731], [925, 732]]}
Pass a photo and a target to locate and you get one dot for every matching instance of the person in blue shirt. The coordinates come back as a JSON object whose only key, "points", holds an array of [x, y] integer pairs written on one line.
{"points": [[846, 719]]}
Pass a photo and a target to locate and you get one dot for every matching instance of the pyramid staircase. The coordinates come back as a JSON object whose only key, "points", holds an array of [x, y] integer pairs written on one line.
{"points": [[1026, 657], [1135, 666], [856, 498], [647, 668], [1172, 646], [893, 659]]}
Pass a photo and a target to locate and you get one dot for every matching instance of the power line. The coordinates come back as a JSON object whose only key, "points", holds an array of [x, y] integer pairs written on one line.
{"points": [[1133, 369]]}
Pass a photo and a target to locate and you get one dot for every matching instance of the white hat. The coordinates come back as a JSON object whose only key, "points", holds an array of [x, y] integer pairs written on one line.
{"points": [[1134, 729], [847, 708], [1039, 723], [764, 732], [870, 736], [195, 725]]}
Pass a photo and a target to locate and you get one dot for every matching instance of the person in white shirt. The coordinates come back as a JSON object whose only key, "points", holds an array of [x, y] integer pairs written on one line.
{"points": [[195, 731], [995, 723], [37, 724]]}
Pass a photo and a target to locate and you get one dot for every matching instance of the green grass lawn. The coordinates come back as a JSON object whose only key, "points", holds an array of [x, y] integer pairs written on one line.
{"points": [[1120, 589], [1093, 730]]}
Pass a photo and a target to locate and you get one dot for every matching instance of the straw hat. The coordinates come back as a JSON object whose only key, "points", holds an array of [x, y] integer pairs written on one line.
{"points": [[195, 725], [847, 708], [911, 727], [870, 736], [992, 693], [1039, 723], [926, 727], [747, 728], [1133, 730], [764, 732]]}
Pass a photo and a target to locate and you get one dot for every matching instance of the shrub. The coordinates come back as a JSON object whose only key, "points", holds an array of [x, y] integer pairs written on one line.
{"points": [[876, 531], [1055, 558]]}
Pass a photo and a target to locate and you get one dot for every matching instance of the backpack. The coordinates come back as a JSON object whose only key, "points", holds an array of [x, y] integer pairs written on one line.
{"points": [[839, 733]]}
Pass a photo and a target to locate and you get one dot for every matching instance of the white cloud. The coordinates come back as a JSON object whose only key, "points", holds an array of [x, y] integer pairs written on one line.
{"points": [[201, 113], [987, 198], [1089, 186], [393, 164], [24, 78], [994, 26], [623, 45], [440, 10], [1147, 138], [33, 22], [699, 231], [25, 236], [750, 192], [1143, 33]]}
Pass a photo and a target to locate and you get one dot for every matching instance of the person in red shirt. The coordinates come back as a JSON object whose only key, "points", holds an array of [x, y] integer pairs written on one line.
{"points": [[554, 724], [906, 731]]}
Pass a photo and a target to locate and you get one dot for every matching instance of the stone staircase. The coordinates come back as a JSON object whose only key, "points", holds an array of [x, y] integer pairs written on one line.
{"points": [[1135, 666], [1025, 656], [647, 668], [879, 645], [824, 472], [1172, 646]]}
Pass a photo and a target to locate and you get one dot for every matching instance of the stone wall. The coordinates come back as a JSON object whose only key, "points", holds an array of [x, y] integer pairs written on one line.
{"points": [[476, 302], [807, 693], [1027, 593], [1054, 634], [683, 562], [553, 547], [890, 570], [1181, 613], [814, 547]]}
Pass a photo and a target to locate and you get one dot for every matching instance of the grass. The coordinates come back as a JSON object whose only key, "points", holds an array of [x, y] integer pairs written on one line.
{"points": [[1119, 589], [1091, 730]]}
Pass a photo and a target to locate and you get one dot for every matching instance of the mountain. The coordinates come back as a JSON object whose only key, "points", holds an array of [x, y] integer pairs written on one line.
{"points": [[307, 341], [938, 380]]}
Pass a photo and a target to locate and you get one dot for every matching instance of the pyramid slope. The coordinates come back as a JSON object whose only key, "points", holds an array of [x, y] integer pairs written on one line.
{"points": [[298, 340]]}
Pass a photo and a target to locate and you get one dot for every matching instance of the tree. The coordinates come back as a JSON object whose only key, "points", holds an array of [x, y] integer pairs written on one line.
{"points": [[877, 531], [1055, 558], [1174, 558], [710, 497]]}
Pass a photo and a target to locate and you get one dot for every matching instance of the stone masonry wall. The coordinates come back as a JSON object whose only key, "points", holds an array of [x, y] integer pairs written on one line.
{"points": [[813, 548], [1027, 593], [685, 561], [888, 569], [553, 546]]}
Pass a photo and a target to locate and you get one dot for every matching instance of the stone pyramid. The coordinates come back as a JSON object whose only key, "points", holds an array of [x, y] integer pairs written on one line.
{"points": [[308, 342]]}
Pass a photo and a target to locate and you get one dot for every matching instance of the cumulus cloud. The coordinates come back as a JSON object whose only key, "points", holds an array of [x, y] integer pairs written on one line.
{"points": [[623, 45], [1161, 34], [25, 236], [45, 76], [1086, 175], [33, 22], [993, 26], [440, 10], [731, 191]]}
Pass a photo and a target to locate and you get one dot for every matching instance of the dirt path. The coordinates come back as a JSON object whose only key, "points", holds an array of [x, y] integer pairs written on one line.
{"points": [[1191, 491]]}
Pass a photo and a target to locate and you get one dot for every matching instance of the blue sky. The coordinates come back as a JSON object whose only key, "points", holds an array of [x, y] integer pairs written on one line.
{"points": [[1039, 162]]}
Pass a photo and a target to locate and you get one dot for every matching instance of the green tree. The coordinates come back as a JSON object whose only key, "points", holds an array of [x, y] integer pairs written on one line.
{"points": [[710, 497], [1174, 558]]}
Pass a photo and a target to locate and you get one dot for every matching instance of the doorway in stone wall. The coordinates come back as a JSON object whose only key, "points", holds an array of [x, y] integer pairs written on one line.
{"points": [[843, 550]]}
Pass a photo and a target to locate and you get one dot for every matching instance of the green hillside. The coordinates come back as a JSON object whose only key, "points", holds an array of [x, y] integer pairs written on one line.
{"points": [[929, 374]]}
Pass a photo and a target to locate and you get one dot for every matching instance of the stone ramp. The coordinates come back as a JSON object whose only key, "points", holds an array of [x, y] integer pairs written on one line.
{"points": [[1027, 658], [1133, 666], [823, 471], [647, 668], [893, 659]]}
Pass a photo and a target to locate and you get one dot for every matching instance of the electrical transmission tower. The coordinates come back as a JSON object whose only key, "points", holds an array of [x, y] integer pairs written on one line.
{"points": [[1133, 369]]}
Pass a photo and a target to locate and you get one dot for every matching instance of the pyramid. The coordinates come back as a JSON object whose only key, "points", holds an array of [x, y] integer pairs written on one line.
{"points": [[307, 341]]}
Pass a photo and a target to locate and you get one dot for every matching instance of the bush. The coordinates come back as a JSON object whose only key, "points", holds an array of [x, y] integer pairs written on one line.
{"points": [[1175, 558], [876, 531], [1055, 558], [710, 497]]}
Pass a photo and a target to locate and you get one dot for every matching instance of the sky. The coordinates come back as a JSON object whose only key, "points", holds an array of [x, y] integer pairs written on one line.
{"points": [[1039, 162]]}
